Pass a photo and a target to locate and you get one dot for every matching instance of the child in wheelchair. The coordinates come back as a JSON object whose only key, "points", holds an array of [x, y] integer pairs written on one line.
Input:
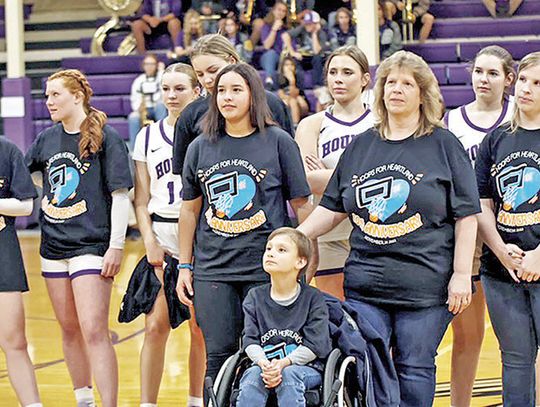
{"points": [[286, 332]]}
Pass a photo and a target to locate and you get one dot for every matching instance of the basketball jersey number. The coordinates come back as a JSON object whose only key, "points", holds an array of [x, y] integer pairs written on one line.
{"points": [[170, 187]]}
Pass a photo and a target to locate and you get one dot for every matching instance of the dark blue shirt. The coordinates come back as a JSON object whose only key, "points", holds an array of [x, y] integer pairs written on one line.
{"points": [[15, 182], [279, 329], [76, 207], [403, 199], [245, 184], [508, 172]]}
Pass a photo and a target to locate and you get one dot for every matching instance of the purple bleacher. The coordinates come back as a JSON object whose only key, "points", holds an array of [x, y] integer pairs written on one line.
{"points": [[439, 70], [119, 124], [105, 64], [108, 84], [114, 106], [455, 96], [518, 49], [475, 8], [485, 27], [458, 74], [112, 43], [437, 52]]}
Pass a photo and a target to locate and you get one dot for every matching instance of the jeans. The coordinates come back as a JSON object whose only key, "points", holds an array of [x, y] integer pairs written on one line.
{"points": [[414, 336], [290, 393], [156, 113], [270, 61], [514, 310], [218, 309]]}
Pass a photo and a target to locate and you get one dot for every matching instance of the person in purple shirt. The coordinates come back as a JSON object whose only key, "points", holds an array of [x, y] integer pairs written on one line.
{"points": [[158, 17], [276, 24]]}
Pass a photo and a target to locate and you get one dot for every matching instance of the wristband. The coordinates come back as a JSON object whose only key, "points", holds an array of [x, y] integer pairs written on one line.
{"points": [[188, 266]]}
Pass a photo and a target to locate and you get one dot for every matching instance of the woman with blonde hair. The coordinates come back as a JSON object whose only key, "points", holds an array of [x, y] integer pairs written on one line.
{"points": [[157, 204], [508, 175], [407, 187], [323, 137], [193, 30], [84, 215]]}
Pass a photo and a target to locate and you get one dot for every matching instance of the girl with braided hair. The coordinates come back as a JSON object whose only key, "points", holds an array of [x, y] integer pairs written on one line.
{"points": [[86, 178]]}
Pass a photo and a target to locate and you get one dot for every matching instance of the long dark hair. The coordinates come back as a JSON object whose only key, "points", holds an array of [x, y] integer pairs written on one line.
{"points": [[213, 123]]}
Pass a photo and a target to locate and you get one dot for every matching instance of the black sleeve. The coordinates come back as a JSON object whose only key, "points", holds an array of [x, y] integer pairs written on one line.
{"points": [[280, 112], [293, 176], [115, 161], [184, 133], [332, 198], [464, 200], [251, 334], [316, 331], [21, 185], [483, 164], [32, 157], [190, 184]]}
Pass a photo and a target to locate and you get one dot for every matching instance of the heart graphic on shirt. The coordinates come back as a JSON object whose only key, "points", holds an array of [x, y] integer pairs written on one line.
{"points": [[64, 181], [389, 201], [520, 188], [231, 193]]}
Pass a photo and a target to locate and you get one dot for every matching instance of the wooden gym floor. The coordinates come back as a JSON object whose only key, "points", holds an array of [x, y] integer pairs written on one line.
{"points": [[54, 384]]}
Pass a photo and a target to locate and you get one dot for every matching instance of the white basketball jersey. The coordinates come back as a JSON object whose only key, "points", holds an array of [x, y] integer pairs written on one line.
{"points": [[154, 146], [470, 134], [334, 136]]}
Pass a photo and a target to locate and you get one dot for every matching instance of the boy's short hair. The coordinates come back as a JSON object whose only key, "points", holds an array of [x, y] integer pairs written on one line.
{"points": [[301, 241]]}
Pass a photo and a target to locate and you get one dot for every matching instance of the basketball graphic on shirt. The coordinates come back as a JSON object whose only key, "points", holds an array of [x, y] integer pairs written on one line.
{"points": [[517, 185], [279, 351], [64, 181], [230, 193], [383, 197]]}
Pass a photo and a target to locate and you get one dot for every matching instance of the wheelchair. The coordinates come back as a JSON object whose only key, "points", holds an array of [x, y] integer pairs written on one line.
{"points": [[339, 385]]}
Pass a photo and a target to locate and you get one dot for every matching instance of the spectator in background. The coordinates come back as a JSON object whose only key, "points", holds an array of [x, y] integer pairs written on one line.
{"points": [[207, 8], [158, 17], [193, 30], [333, 14], [145, 97], [311, 43], [389, 34], [290, 83], [505, 8], [420, 16], [273, 37], [343, 32], [237, 39]]}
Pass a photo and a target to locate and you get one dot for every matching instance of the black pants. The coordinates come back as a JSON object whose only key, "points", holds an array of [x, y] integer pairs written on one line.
{"points": [[218, 308]]}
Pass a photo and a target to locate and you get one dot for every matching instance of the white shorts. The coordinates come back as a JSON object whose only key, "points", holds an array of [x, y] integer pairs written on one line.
{"points": [[73, 267], [167, 236], [332, 257]]}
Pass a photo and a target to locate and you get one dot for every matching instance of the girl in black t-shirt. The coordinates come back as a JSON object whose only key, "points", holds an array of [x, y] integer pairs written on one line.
{"points": [[508, 175], [407, 186], [209, 56], [16, 194], [237, 179], [84, 215]]}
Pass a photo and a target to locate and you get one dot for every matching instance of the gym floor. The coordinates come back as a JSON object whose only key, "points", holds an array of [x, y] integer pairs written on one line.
{"points": [[45, 347]]}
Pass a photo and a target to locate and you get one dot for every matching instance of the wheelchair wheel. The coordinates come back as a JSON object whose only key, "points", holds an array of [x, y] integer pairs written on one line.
{"points": [[224, 380], [330, 375]]}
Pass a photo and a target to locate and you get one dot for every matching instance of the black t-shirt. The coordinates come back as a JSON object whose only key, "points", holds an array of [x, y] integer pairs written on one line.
{"points": [[245, 184], [76, 207], [508, 172], [279, 329], [15, 182], [187, 125], [403, 198]]}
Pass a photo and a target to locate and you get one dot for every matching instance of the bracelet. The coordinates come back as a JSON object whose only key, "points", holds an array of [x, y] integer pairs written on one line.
{"points": [[188, 266]]}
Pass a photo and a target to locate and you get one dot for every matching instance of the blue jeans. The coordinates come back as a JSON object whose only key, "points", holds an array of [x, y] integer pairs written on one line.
{"points": [[290, 393], [270, 61], [514, 310], [414, 336], [159, 112]]}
